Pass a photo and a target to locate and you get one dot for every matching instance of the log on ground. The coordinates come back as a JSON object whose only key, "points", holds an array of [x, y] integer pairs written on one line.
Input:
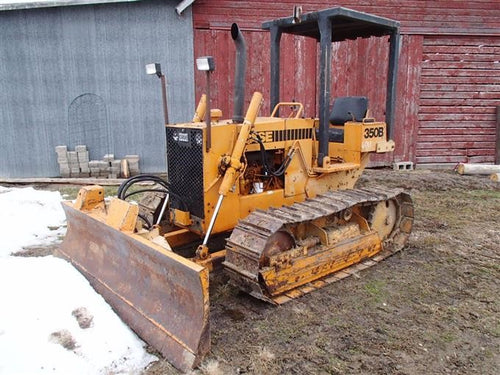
{"points": [[470, 168]]}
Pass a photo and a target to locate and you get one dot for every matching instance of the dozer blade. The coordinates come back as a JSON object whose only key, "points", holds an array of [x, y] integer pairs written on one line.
{"points": [[162, 296]]}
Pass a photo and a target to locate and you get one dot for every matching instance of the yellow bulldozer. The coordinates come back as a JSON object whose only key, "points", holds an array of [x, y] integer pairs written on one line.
{"points": [[268, 199]]}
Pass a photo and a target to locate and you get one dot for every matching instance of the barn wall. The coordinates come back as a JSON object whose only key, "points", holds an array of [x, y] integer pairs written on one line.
{"points": [[478, 17], [72, 75], [360, 67], [460, 89]]}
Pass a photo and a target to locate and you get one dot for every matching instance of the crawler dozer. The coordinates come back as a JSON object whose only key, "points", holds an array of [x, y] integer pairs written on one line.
{"points": [[268, 199]]}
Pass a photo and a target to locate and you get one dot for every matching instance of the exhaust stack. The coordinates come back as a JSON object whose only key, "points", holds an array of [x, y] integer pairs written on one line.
{"points": [[239, 74]]}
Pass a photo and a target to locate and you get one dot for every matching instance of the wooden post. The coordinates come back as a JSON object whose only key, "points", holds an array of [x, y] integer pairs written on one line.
{"points": [[497, 152]]}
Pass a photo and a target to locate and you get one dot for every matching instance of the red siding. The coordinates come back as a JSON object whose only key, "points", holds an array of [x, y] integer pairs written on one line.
{"points": [[460, 89], [447, 85], [460, 17]]}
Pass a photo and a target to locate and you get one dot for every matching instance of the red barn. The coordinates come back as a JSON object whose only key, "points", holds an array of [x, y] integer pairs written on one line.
{"points": [[448, 80]]}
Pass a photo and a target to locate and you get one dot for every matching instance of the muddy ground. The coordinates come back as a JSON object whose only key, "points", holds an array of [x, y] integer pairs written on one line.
{"points": [[431, 309]]}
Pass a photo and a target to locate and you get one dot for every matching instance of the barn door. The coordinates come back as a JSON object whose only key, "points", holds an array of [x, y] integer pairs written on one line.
{"points": [[459, 92]]}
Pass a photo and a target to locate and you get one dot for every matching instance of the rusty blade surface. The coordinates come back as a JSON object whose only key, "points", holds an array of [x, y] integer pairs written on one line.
{"points": [[163, 297]]}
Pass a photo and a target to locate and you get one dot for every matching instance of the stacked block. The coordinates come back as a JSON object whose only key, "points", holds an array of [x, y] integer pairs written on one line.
{"points": [[77, 164], [62, 160], [83, 160], [133, 164]]}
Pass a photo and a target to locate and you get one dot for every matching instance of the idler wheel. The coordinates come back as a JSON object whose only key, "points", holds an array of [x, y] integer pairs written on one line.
{"points": [[279, 242]]}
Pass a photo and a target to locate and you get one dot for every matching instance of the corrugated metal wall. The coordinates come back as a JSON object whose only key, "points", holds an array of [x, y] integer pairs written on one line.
{"points": [[72, 75], [360, 66]]}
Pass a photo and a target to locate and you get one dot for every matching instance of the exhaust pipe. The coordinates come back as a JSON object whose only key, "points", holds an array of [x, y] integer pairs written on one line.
{"points": [[239, 74]]}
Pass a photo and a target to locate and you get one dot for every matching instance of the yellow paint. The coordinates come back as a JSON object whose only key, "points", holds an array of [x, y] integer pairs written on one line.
{"points": [[89, 197], [181, 218], [122, 215], [308, 268]]}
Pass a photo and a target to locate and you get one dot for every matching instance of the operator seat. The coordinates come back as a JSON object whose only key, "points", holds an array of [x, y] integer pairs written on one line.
{"points": [[346, 108]]}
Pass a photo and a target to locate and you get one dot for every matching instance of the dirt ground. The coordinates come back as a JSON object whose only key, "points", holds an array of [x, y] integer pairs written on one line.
{"points": [[431, 309]]}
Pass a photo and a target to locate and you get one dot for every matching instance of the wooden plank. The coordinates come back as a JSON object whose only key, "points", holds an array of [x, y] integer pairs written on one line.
{"points": [[481, 152], [460, 73], [463, 41], [461, 80], [457, 144], [459, 87], [441, 159], [453, 124], [497, 146], [459, 56], [457, 151], [459, 95], [457, 109], [456, 138], [456, 117], [445, 49], [407, 110], [66, 181], [457, 102], [474, 65], [441, 152], [481, 159], [455, 130]]}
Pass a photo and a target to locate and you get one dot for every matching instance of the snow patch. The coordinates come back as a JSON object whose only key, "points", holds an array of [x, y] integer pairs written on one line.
{"points": [[51, 319]]}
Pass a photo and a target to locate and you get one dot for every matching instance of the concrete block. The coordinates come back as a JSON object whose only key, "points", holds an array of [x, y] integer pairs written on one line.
{"points": [[112, 175], [403, 166], [116, 163], [72, 156], [80, 148], [61, 150], [108, 157], [94, 163], [83, 156], [84, 168], [132, 158]]}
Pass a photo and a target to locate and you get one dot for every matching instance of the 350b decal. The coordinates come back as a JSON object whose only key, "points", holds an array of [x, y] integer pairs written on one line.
{"points": [[374, 132]]}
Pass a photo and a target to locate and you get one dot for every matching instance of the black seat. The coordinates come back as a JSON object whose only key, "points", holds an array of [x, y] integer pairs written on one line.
{"points": [[345, 108], [348, 108]]}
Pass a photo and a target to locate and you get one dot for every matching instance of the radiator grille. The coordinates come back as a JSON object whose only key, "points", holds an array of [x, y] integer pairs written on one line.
{"points": [[185, 168]]}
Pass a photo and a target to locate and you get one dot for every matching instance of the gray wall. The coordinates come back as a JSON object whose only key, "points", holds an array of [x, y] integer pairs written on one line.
{"points": [[73, 75]]}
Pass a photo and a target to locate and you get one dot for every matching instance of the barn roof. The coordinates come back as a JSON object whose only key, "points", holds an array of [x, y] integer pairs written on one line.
{"points": [[30, 4]]}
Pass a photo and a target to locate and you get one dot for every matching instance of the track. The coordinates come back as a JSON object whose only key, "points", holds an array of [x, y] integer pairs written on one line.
{"points": [[316, 264]]}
